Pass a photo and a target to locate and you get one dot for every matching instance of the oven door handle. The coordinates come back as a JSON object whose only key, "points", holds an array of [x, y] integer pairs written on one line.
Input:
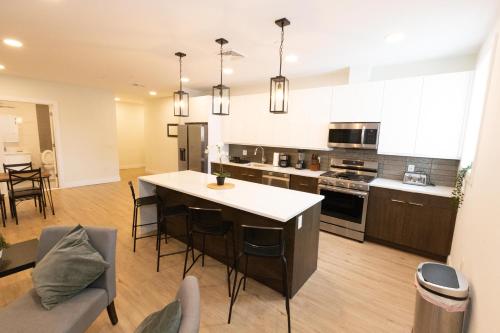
{"points": [[342, 190]]}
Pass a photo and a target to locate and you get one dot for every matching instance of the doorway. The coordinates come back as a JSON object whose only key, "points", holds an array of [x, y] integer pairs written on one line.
{"points": [[27, 135]]}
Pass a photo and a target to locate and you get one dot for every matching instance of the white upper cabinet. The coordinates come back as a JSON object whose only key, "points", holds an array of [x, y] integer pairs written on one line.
{"points": [[400, 113], [9, 131], [304, 126], [357, 102], [445, 101]]}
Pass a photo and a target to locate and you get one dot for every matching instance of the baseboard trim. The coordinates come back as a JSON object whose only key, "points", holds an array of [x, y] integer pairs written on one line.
{"points": [[131, 166], [79, 183]]}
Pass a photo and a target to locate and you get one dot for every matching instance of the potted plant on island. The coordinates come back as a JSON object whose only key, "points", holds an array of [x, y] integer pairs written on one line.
{"points": [[3, 245], [221, 175]]}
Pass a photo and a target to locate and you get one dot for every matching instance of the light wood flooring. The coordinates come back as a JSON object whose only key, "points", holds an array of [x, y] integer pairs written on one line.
{"points": [[357, 287]]}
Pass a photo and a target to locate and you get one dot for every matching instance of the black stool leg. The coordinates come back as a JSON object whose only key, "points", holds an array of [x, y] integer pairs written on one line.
{"points": [[234, 293], [285, 286], [133, 220], [189, 246], [227, 267], [245, 274], [203, 252]]}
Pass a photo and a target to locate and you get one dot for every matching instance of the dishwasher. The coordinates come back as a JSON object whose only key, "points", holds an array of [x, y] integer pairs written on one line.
{"points": [[277, 179]]}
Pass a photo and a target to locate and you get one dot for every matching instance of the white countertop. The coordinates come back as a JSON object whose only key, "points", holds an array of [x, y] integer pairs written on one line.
{"points": [[15, 153], [270, 167], [268, 201], [442, 191]]}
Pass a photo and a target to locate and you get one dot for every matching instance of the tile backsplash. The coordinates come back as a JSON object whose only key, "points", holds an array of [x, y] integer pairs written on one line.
{"points": [[442, 172]]}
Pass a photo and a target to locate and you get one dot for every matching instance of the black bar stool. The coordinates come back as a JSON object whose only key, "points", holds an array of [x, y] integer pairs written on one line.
{"points": [[139, 202], [3, 210], [261, 242], [166, 213], [208, 222]]}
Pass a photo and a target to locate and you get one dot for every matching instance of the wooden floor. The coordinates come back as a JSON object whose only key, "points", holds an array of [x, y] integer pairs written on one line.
{"points": [[357, 287]]}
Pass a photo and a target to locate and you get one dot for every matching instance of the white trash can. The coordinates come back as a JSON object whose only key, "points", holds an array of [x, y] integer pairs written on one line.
{"points": [[442, 298]]}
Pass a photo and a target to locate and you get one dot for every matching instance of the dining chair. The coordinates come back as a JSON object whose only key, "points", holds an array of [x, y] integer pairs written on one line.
{"points": [[3, 210], [19, 189]]}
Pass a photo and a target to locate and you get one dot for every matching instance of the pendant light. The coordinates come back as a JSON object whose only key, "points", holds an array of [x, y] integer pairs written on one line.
{"points": [[220, 92], [181, 98], [279, 84]]}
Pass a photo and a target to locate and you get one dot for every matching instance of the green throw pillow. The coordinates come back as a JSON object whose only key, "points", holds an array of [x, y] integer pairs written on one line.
{"points": [[167, 320], [68, 268]]}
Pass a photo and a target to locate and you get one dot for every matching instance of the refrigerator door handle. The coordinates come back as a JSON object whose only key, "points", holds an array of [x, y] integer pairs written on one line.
{"points": [[182, 154]]}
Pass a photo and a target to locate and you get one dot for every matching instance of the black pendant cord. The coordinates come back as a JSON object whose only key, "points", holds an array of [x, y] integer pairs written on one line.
{"points": [[221, 68], [180, 73], [281, 46]]}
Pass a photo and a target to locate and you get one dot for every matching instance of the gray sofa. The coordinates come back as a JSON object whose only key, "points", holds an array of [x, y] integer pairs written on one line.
{"points": [[189, 296], [76, 314]]}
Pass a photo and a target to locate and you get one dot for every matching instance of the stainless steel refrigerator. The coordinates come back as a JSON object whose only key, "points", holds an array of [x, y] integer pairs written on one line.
{"points": [[192, 142]]}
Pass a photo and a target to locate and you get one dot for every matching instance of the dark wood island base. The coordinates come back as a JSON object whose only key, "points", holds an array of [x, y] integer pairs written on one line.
{"points": [[301, 240]]}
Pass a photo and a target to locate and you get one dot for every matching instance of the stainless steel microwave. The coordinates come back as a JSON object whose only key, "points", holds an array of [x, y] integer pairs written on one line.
{"points": [[353, 135]]}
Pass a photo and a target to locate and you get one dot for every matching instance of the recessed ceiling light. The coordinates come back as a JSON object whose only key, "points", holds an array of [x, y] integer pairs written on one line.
{"points": [[291, 58], [184, 79], [153, 93], [228, 71], [395, 37], [12, 42], [2, 67], [117, 99]]}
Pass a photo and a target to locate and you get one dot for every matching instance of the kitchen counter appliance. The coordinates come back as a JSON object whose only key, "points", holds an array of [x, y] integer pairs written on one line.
{"points": [[277, 179], [301, 163], [284, 160], [353, 135], [346, 188]]}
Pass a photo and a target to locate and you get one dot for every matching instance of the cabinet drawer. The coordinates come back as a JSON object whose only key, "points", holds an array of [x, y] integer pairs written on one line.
{"points": [[304, 184]]}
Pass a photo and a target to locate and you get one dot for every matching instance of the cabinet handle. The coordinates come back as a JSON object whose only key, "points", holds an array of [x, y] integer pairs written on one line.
{"points": [[250, 175], [398, 201], [416, 204], [303, 184]]}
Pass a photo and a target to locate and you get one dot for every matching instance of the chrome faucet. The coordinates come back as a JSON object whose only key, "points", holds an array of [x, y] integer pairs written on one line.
{"points": [[263, 159]]}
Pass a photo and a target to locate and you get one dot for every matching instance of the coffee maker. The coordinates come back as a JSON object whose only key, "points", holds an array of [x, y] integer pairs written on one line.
{"points": [[301, 163], [284, 160]]}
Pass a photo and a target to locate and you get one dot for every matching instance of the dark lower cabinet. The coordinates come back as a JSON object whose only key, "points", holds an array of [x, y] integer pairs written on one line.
{"points": [[418, 223], [304, 184]]}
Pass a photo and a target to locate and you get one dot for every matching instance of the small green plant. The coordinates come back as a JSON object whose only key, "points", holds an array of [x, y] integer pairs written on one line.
{"points": [[458, 192], [220, 154], [3, 243]]}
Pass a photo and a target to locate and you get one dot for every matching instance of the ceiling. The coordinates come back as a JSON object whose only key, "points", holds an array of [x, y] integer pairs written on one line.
{"points": [[114, 43]]}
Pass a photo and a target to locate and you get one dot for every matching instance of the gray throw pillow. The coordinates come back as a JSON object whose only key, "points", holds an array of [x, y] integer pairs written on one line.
{"points": [[68, 268], [167, 320]]}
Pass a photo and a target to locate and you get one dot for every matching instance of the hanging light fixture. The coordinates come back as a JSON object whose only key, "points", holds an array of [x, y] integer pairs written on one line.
{"points": [[279, 84], [181, 98], [220, 92]]}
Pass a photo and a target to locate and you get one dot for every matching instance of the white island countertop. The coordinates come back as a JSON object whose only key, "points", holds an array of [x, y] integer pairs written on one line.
{"points": [[272, 202], [441, 191], [270, 167]]}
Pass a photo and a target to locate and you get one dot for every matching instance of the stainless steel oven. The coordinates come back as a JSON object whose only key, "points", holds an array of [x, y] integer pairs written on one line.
{"points": [[343, 211], [353, 135]]}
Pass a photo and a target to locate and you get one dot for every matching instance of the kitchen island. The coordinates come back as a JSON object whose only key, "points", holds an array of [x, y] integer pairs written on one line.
{"points": [[246, 204]]}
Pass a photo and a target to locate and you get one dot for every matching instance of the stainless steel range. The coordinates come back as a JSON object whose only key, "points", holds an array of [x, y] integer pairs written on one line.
{"points": [[346, 188]]}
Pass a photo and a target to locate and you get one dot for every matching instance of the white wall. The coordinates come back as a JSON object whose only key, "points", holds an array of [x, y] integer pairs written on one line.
{"points": [[85, 125], [427, 67], [28, 130], [476, 242], [161, 151], [130, 131]]}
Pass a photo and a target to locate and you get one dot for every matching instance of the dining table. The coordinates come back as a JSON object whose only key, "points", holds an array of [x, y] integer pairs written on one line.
{"points": [[4, 178]]}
